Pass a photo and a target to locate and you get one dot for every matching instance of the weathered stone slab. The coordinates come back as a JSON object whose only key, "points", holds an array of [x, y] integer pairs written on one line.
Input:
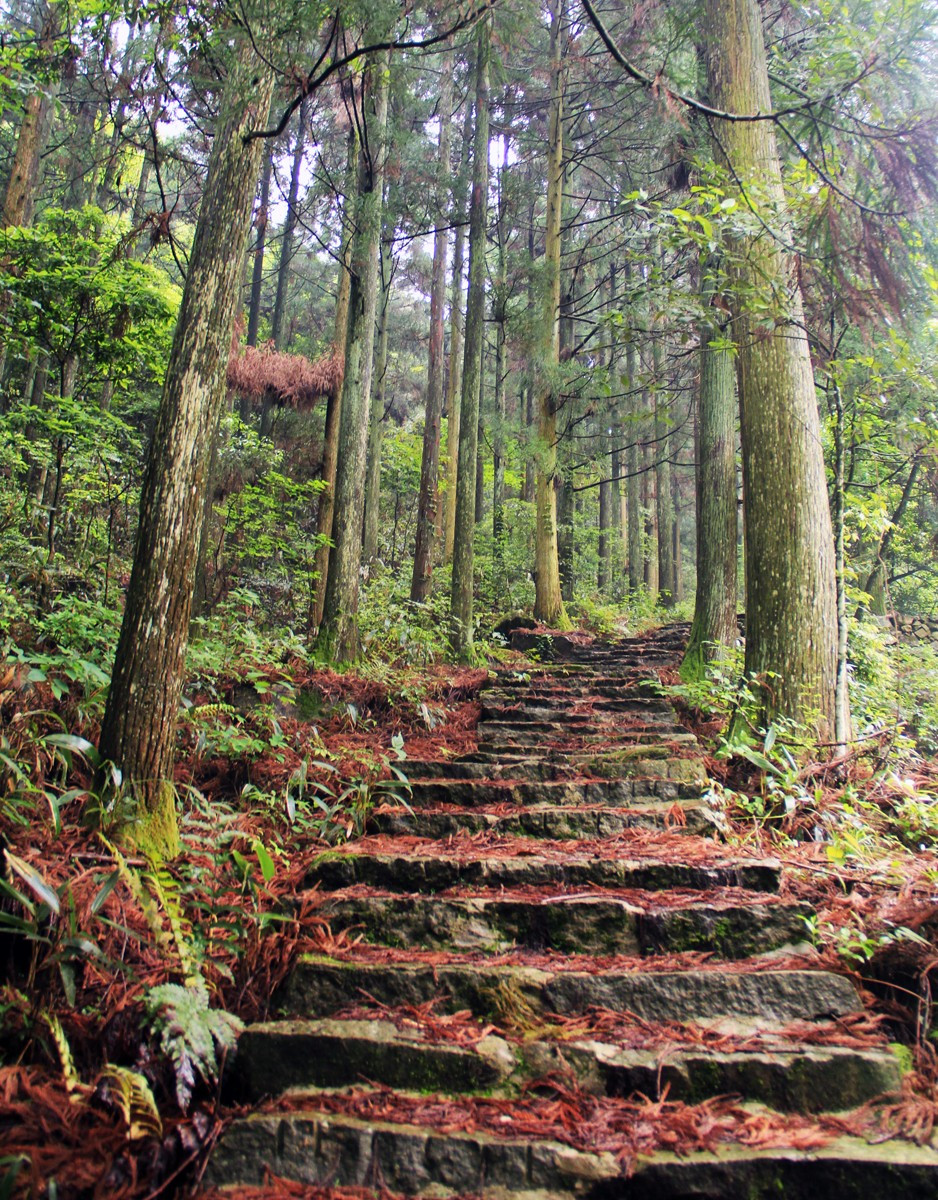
{"points": [[544, 821], [277, 1056], [321, 986], [338, 1150], [579, 924], [435, 873], [848, 1169], [806, 1079]]}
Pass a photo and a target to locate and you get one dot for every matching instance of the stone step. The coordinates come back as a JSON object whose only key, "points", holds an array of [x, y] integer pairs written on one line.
{"points": [[534, 730], [846, 1169], [634, 762], [277, 1056], [337, 1150], [728, 927], [606, 792], [341, 1151], [544, 821], [321, 986], [611, 691], [437, 869]]}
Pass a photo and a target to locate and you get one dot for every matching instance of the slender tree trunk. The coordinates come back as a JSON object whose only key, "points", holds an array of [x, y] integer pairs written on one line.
{"points": [[137, 732], [633, 483], [842, 697], [664, 513], [461, 595], [260, 224], [289, 227], [649, 549], [791, 610], [480, 452], [20, 194], [875, 585], [376, 415], [429, 496], [330, 451], [713, 629], [338, 634], [500, 314], [609, 483], [454, 386], [548, 601]]}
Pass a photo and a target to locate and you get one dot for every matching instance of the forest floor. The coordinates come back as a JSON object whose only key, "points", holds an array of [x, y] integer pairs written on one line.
{"points": [[429, 828]]}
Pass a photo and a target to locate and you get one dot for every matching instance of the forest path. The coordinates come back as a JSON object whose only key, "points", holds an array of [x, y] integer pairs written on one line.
{"points": [[561, 980]]}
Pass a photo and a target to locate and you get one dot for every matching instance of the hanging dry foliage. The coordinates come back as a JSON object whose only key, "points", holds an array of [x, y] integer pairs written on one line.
{"points": [[289, 380]]}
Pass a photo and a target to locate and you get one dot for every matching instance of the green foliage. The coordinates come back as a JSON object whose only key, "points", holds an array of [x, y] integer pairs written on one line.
{"points": [[192, 1035]]}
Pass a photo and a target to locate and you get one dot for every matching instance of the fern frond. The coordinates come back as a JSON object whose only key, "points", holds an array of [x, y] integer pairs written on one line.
{"points": [[129, 1091], [64, 1051], [151, 912], [166, 891]]}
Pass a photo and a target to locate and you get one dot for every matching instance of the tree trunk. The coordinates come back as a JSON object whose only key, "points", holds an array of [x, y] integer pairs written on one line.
{"points": [[257, 273], [500, 314], [138, 729], [633, 483], [20, 193], [376, 415], [338, 634], [454, 386], [289, 227], [330, 437], [664, 512], [429, 496], [714, 626], [461, 594], [548, 601], [791, 625]]}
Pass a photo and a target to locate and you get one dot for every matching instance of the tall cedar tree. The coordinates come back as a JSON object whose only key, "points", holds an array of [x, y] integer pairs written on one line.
{"points": [[338, 634], [791, 618], [548, 604], [461, 593], [137, 733]]}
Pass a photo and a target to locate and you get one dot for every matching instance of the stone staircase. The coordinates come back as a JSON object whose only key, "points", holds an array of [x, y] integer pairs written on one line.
{"points": [[553, 961]]}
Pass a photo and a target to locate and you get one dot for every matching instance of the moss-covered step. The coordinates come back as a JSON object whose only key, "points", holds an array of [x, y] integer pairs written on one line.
{"points": [[314, 1148], [847, 1169], [275, 1056], [320, 986], [544, 821], [535, 732], [436, 870], [800, 1079], [611, 791], [566, 790], [591, 924]]}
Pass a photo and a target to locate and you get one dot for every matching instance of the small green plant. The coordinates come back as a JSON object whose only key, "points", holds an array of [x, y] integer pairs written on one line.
{"points": [[193, 1036]]}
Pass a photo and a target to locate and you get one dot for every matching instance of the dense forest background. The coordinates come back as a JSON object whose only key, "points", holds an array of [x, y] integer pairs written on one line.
{"points": [[331, 337]]}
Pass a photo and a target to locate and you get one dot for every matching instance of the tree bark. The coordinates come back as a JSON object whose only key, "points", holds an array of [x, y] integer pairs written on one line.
{"points": [[137, 732], [791, 625], [461, 594], [260, 224], [548, 601], [289, 227], [330, 437], [633, 482], [376, 415], [454, 385], [338, 634], [713, 629], [429, 495], [20, 194]]}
